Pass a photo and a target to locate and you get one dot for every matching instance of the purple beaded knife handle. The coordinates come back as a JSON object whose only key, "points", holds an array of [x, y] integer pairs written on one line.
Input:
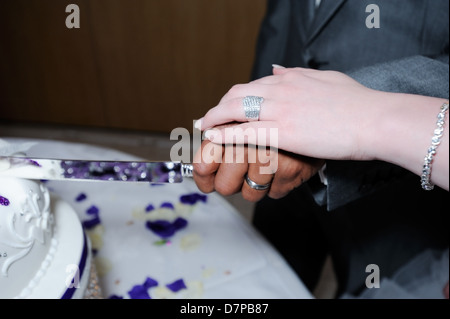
{"points": [[84, 170]]}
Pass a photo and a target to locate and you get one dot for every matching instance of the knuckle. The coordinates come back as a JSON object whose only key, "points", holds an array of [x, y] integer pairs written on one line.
{"points": [[202, 169], [293, 74], [235, 89], [289, 172], [225, 189], [204, 185]]}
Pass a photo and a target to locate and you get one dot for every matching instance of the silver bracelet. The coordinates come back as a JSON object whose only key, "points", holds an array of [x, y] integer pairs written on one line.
{"points": [[435, 142]]}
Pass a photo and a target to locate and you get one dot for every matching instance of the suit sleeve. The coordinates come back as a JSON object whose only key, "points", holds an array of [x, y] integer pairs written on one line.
{"points": [[348, 180], [273, 38]]}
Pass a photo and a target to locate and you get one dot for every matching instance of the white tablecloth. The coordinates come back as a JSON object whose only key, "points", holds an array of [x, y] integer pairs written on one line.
{"points": [[213, 253]]}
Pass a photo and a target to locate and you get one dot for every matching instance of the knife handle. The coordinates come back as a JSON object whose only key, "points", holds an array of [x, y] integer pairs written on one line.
{"points": [[187, 170]]}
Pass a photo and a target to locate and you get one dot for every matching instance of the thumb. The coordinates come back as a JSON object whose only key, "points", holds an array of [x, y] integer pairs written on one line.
{"points": [[278, 69]]}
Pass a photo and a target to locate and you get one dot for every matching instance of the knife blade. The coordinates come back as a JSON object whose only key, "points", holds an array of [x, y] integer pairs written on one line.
{"points": [[89, 170]]}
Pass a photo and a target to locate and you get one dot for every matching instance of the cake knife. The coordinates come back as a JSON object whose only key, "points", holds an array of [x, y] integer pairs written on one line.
{"points": [[88, 170]]}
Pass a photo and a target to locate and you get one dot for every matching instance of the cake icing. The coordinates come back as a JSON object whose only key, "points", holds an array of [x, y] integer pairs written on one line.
{"points": [[26, 229], [43, 250]]}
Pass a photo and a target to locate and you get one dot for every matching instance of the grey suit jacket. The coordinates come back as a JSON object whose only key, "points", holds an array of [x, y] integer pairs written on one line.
{"points": [[408, 53]]}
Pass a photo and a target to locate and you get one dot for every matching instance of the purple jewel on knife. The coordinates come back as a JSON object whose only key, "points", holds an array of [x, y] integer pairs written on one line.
{"points": [[120, 171], [4, 201]]}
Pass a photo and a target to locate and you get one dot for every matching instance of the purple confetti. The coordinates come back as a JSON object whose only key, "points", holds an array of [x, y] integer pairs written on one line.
{"points": [[89, 224], [167, 205], [177, 285], [115, 297], [141, 291], [192, 199], [164, 228], [4, 201], [149, 208], [93, 210], [81, 197]]}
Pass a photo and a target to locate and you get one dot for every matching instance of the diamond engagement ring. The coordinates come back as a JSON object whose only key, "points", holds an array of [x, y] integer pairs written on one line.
{"points": [[252, 107], [256, 186]]}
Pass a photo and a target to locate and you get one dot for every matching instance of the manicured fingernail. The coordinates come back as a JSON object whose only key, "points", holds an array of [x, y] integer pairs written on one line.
{"points": [[198, 124], [276, 66]]}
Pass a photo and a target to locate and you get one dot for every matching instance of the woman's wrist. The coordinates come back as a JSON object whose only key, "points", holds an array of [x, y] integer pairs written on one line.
{"points": [[379, 121], [401, 129]]}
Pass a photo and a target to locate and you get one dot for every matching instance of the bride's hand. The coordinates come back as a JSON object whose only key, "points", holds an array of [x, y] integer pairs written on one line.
{"points": [[316, 113], [328, 115]]}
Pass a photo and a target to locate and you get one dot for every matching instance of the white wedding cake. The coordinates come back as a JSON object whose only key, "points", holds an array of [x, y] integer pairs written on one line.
{"points": [[44, 252]]}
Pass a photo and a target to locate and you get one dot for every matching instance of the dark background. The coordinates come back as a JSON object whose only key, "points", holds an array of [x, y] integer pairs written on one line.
{"points": [[149, 65]]}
